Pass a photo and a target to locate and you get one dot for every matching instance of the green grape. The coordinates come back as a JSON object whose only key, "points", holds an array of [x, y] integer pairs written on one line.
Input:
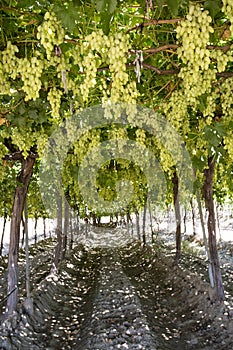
{"points": [[4, 83], [227, 98], [50, 33], [8, 67], [23, 140], [228, 10], [31, 71], [9, 60], [194, 33], [54, 98], [198, 73]]}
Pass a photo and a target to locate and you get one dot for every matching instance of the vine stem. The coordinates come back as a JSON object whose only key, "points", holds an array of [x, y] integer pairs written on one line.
{"points": [[154, 22]]}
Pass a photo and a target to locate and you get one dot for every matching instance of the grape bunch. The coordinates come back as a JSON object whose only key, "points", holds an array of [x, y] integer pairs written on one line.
{"points": [[228, 144], [54, 98], [8, 67], [41, 141], [228, 10], [197, 73], [117, 50], [177, 102], [221, 58], [31, 70], [97, 49], [50, 33], [22, 139], [227, 98], [4, 83], [194, 33], [9, 60], [90, 66], [140, 136]]}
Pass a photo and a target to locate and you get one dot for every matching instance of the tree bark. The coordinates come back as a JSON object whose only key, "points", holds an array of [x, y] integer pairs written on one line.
{"points": [[193, 216], [137, 224], [151, 221], [28, 302], [71, 241], [128, 220], [218, 290], [35, 229], [23, 235], [58, 231], [176, 201], [19, 201], [144, 224], [44, 225], [184, 220], [66, 227], [3, 233], [210, 270]]}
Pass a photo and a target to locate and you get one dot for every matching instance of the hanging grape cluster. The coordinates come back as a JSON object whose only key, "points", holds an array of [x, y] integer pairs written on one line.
{"points": [[222, 59], [54, 98], [228, 10], [50, 33], [95, 50], [31, 71], [111, 50], [198, 72], [8, 67], [194, 34]]}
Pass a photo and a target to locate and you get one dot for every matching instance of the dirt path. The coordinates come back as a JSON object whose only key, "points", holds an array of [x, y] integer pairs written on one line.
{"points": [[122, 298], [177, 303], [117, 320]]}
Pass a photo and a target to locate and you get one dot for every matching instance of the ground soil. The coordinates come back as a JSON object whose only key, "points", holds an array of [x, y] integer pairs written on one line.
{"points": [[176, 300]]}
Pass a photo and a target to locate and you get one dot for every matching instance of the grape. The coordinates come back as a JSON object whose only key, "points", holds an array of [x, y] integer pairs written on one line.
{"points": [[54, 98], [228, 10], [31, 71], [198, 72], [112, 50], [50, 33], [8, 67]]}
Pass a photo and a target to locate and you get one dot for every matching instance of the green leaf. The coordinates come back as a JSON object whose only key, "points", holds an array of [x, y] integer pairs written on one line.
{"points": [[173, 6], [21, 109], [213, 6], [161, 2], [68, 16], [198, 163], [202, 102], [221, 129], [105, 20], [212, 136], [33, 114], [77, 2], [25, 3], [107, 6]]}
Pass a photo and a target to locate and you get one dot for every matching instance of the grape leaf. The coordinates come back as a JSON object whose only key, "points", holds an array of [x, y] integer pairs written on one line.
{"points": [[105, 21], [221, 129], [173, 6], [107, 6], [213, 6], [68, 16]]}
